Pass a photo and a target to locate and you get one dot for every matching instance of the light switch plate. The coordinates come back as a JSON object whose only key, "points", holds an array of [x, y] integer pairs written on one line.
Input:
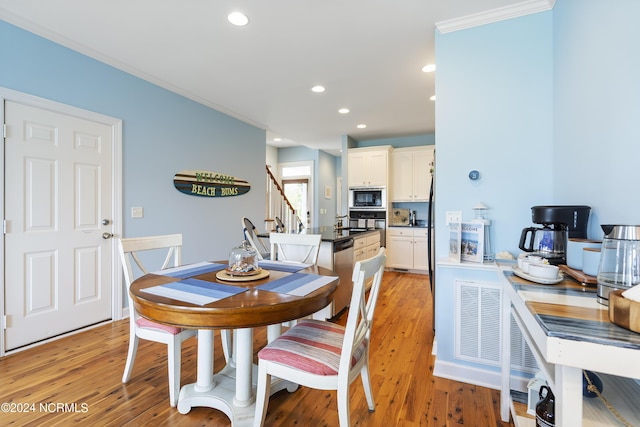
{"points": [[453, 216], [137, 212]]}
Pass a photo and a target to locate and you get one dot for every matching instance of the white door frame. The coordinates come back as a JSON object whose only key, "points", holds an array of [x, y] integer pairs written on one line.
{"points": [[310, 190], [116, 126]]}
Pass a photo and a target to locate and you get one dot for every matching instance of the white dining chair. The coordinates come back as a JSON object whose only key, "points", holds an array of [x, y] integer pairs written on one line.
{"points": [[323, 355], [303, 248], [251, 235], [139, 327]]}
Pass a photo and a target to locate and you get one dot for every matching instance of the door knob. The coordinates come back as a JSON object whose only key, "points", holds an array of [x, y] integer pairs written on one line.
{"points": [[106, 222], [107, 235]]}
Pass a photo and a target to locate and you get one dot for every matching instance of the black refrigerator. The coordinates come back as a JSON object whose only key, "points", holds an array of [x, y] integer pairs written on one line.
{"points": [[431, 241]]}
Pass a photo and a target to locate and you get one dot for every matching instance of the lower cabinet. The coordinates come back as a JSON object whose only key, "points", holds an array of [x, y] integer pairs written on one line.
{"points": [[407, 248], [366, 247]]}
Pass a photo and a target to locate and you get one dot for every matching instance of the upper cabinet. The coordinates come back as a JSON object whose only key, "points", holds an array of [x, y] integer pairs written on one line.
{"points": [[368, 167], [411, 173]]}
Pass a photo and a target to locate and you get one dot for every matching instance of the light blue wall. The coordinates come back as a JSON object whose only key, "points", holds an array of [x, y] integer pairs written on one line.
{"points": [[163, 133], [493, 115], [545, 107], [325, 170], [402, 141], [597, 107]]}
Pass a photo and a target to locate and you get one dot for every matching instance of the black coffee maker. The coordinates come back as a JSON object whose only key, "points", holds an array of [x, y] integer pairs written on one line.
{"points": [[558, 224]]}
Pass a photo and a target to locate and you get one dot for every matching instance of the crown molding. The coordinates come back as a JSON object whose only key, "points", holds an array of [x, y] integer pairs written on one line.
{"points": [[495, 15]]}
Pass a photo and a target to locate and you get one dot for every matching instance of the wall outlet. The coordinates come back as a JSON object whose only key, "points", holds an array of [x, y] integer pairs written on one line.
{"points": [[453, 216], [137, 212]]}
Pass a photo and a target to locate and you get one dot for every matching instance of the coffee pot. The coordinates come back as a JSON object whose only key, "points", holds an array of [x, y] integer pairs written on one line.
{"points": [[558, 224], [548, 242], [619, 266]]}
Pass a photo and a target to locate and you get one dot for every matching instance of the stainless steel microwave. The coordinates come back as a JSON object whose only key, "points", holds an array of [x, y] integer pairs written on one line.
{"points": [[368, 198]]}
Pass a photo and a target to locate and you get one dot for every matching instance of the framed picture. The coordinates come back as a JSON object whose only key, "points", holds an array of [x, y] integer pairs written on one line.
{"points": [[327, 191], [472, 241]]}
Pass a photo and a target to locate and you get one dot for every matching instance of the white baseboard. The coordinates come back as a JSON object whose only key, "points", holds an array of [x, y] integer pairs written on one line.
{"points": [[476, 376]]}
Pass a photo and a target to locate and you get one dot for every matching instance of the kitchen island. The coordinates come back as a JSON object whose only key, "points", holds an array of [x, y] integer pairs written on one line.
{"points": [[339, 251], [567, 331]]}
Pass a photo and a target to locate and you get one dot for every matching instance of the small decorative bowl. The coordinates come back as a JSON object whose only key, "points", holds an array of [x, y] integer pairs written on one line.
{"points": [[544, 271]]}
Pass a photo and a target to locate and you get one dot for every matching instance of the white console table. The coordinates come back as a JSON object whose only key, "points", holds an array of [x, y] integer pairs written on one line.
{"points": [[568, 331]]}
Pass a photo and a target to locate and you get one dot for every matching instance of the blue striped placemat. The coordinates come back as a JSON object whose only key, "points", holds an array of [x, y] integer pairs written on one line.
{"points": [[194, 291], [297, 284], [191, 270], [290, 267]]}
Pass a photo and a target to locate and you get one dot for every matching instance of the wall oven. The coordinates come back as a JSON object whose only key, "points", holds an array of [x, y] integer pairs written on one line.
{"points": [[367, 198]]}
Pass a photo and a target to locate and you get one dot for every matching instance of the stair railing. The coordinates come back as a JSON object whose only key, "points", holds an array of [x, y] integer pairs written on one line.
{"points": [[278, 205]]}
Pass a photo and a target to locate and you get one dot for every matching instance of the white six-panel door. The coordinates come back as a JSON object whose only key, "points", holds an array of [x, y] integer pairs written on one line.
{"points": [[58, 212]]}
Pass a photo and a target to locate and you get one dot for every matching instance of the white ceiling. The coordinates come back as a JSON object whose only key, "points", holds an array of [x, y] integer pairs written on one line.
{"points": [[367, 53]]}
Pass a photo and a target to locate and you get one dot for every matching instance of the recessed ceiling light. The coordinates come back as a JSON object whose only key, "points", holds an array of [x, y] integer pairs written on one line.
{"points": [[277, 139], [317, 89], [343, 110], [429, 68], [432, 97], [361, 126], [238, 18]]}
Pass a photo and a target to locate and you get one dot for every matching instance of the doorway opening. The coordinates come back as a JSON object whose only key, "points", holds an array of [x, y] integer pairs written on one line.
{"points": [[296, 181]]}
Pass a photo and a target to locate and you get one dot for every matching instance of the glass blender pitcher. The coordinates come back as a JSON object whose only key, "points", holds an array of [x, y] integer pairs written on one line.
{"points": [[619, 260]]}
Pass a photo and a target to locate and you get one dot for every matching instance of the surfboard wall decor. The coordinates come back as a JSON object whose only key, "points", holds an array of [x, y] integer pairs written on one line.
{"points": [[209, 184]]}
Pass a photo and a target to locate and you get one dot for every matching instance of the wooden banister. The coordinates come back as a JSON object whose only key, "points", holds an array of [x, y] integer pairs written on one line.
{"points": [[275, 182]]}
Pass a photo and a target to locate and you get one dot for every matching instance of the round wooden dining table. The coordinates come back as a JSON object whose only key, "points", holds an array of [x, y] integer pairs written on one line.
{"points": [[231, 390]]}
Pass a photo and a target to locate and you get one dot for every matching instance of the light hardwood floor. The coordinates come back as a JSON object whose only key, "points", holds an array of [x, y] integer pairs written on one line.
{"points": [[76, 379]]}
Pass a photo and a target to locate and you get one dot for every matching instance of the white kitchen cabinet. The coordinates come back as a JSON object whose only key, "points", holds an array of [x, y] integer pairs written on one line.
{"points": [[411, 173], [372, 245], [368, 167], [366, 247], [359, 249], [407, 248], [420, 250]]}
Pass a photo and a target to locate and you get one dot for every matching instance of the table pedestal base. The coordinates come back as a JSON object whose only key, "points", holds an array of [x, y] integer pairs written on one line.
{"points": [[220, 391], [221, 397]]}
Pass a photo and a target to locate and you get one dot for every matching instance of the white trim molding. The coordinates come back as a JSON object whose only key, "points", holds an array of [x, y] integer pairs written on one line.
{"points": [[527, 7]]}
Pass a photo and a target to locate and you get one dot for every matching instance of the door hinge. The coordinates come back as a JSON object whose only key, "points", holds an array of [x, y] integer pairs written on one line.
{"points": [[4, 226], [4, 130], [4, 322]]}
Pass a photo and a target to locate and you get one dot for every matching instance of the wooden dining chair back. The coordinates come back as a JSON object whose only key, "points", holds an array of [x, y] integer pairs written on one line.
{"points": [[154, 247], [251, 235], [302, 248], [323, 355]]}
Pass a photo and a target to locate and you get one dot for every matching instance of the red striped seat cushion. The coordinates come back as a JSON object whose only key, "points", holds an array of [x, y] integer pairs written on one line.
{"points": [[312, 346], [146, 323]]}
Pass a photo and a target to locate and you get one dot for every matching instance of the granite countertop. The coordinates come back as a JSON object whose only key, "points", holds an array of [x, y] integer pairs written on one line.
{"points": [[569, 310], [421, 223], [330, 235], [409, 226]]}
